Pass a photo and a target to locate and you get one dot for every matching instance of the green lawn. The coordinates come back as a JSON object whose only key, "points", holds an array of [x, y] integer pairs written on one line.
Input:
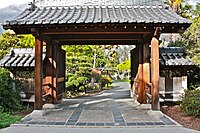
{"points": [[6, 119], [123, 80]]}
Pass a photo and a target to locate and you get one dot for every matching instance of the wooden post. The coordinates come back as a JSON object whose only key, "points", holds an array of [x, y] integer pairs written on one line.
{"points": [[146, 71], [38, 74], [155, 73], [140, 72]]}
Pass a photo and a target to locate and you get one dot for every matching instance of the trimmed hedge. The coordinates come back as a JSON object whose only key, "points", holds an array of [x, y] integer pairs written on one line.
{"points": [[6, 119], [9, 98], [191, 103]]}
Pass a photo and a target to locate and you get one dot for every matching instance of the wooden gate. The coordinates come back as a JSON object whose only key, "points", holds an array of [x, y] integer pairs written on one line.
{"points": [[54, 83], [60, 73]]}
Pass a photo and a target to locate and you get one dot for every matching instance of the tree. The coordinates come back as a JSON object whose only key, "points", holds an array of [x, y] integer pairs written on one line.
{"points": [[8, 41], [191, 38], [26, 41], [176, 5], [124, 66], [186, 11], [80, 60], [182, 9], [191, 42]]}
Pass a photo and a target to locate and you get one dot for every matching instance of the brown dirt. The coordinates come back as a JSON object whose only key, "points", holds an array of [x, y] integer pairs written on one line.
{"points": [[186, 121]]}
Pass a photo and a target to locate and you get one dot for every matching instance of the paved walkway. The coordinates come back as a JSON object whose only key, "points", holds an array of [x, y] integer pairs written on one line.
{"points": [[113, 108]]}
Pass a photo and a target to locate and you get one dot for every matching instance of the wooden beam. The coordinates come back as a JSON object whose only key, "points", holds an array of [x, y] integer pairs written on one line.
{"points": [[130, 27], [155, 70], [38, 74], [144, 29], [99, 42], [96, 37], [146, 38], [140, 72], [146, 70], [93, 33]]}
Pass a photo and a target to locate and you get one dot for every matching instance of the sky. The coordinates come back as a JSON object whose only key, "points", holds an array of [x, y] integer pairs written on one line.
{"points": [[5, 3]]}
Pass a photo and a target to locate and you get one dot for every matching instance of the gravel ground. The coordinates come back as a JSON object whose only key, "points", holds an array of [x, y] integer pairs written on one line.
{"points": [[187, 121]]}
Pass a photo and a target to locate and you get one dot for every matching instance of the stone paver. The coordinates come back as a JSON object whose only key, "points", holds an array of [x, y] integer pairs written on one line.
{"points": [[95, 116], [36, 129], [111, 108]]}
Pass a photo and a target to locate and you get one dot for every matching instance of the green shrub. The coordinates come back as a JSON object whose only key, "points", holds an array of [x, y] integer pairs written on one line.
{"points": [[106, 80], [9, 98], [7, 119], [191, 103], [194, 78]]}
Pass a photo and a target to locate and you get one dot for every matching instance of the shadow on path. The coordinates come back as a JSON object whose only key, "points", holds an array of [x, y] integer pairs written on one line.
{"points": [[113, 107]]}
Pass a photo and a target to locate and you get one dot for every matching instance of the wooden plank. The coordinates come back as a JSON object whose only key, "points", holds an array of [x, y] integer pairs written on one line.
{"points": [[38, 74], [60, 72], [134, 66], [146, 71], [140, 72], [49, 68], [61, 79], [155, 73], [54, 73]]}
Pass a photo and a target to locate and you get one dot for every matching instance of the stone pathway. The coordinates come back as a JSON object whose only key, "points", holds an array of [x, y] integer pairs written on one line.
{"points": [[107, 109]]}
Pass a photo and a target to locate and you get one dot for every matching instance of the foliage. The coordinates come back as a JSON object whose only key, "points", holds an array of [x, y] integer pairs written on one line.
{"points": [[186, 11], [191, 103], [78, 65], [181, 8], [26, 41], [124, 66], [80, 61], [194, 78], [191, 38], [8, 41], [9, 98], [175, 4], [7, 119], [106, 80], [191, 42]]}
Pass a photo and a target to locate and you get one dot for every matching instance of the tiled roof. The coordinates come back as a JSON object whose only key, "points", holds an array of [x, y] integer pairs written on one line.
{"points": [[174, 56], [19, 57], [98, 14], [96, 2], [25, 57]]}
